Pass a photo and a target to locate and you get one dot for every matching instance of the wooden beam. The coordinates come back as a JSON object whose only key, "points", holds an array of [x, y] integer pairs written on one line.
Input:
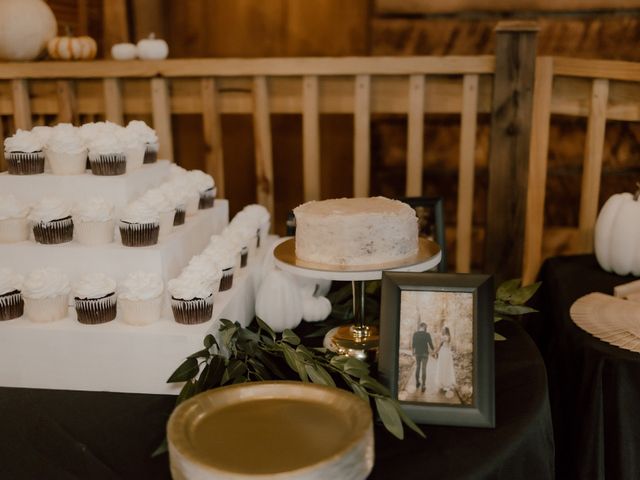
{"points": [[161, 112], [200, 67], [67, 104], [148, 17], [362, 136], [592, 167], [114, 24], [310, 138], [509, 150], [113, 104], [21, 104], [264, 152], [468, 125], [415, 136], [538, 153], [214, 158], [593, 68]]}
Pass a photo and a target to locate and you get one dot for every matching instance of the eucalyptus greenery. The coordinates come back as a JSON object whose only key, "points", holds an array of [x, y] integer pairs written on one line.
{"points": [[247, 355], [510, 301]]}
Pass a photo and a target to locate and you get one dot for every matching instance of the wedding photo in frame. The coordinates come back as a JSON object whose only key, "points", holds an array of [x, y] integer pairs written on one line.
{"points": [[436, 346]]}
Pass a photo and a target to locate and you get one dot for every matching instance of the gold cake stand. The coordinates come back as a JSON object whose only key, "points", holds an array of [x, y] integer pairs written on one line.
{"points": [[357, 340]]}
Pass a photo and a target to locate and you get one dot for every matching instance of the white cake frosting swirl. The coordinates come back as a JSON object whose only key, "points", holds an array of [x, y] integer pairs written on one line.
{"points": [[240, 234], [200, 180], [48, 209], [105, 144], [141, 286], [129, 139], [43, 133], [176, 171], [10, 281], [143, 131], [94, 285], [45, 283], [356, 231], [204, 266], [259, 212], [95, 209], [189, 286], [177, 194], [11, 207], [65, 139], [23, 141], [158, 199], [140, 212]]}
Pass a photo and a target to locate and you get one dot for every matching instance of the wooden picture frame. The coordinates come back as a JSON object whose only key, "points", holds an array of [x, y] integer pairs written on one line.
{"points": [[457, 388], [431, 222]]}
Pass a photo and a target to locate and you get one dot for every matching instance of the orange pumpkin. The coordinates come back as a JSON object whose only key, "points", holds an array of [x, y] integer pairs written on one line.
{"points": [[72, 48]]}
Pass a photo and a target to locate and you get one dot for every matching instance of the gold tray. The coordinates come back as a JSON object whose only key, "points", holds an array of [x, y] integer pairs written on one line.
{"points": [[279, 430]]}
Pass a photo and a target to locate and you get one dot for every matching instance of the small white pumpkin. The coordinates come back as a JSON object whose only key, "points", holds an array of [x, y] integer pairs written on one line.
{"points": [[124, 51], [152, 48], [278, 302], [315, 309], [617, 234], [25, 28]]}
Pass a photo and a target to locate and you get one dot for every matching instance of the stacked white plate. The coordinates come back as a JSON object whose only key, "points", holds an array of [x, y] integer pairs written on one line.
{"points": [[275, 430]]}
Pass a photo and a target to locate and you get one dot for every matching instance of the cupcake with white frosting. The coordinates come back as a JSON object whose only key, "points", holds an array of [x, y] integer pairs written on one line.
{"points": [[243, 237], [134, 148], [43, 132], [140, 298], [139, 225], [148, 136], [52, 222], [189, 191], [24, 153], [66, 151], [93, 222], [205, 186], [225, 255], [106, 155], [179, 199], [262, 218], [191, 298], [157, 199], [94, 295], [11, 303], [46, 295], [206, 267], [14, 224]]}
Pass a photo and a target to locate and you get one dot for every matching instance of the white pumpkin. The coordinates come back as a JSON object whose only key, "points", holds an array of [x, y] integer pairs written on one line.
{"points": [[25, 28], [124, 51], [315, 309], [617, 234], [152, 48], [278, 302]]}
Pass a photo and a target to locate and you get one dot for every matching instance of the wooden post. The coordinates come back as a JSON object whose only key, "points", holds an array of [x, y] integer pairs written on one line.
{"points": [[114, 24], [415, 136], [21, 104], [310, 138], [212, 126], [160, 103], [362, 136], [263, 146], [113, 109], [3, 165], [509, 148], [67, 104]]}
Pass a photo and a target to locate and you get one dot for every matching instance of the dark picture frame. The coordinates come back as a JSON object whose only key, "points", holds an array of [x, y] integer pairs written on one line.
{"points": [[431, 221], [480, 409]]}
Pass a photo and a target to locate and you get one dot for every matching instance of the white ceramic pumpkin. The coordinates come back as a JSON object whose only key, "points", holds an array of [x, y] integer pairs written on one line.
{"points": [[152, 48], [315, 309], [617, 234], [72, 48], [25, 28], [124, 51], [278, 302]]}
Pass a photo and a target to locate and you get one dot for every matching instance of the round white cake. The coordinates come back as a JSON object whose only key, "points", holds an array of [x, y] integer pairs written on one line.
{"points": [[356, 231]]}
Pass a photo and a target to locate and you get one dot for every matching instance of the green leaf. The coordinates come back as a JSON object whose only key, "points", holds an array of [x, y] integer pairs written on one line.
{"points": [[373, 287], [210, 341], [290, 337], [498, 337], [341, 294], [211, 375], [189, 389], [522, 295], [390, 416], [318, 374], [227, 335], [508, 288], [162, 448], [407, 421], [240, 379], [338, 361], [270, 364], [263, 326], [186, 371], [294, 362], [259, 369], [355, 367], [200, 354], [514, 309], [359, 390], [497, 318], [236, 369], [375, 386], [225, 324]]}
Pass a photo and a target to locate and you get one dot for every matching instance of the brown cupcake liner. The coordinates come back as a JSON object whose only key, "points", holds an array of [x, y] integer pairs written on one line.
{"points": [[54, 232], [179, 217], [139, 234], [207, 199], [25, 163], [108, 165], [226, 282], [11, 305], [192, 312], [150, 155], [93, 311], [244, 256]]}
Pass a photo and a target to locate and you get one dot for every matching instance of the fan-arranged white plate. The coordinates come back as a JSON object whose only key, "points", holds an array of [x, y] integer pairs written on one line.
{"points": [[613, 320], [275, 430]]}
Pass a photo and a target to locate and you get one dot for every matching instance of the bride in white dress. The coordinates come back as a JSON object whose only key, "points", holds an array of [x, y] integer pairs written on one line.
{"points": [[445, 373]]}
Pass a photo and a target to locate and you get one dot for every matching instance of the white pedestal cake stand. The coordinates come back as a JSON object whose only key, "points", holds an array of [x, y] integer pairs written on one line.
{"points": [[358, 339]]}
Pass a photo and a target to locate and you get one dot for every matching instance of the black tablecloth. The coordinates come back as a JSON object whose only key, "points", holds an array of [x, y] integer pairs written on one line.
{"points": [[71, 435], [594, 387]]}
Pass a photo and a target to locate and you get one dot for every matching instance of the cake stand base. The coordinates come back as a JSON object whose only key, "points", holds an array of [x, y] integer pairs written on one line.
{"points": [[347, 340]]}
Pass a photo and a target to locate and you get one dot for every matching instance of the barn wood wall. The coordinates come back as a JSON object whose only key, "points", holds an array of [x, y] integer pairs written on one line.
{"points": [[252, 28]]}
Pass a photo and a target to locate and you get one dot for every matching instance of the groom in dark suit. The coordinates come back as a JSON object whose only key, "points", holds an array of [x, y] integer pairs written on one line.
{"points": [[421, 345]]}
